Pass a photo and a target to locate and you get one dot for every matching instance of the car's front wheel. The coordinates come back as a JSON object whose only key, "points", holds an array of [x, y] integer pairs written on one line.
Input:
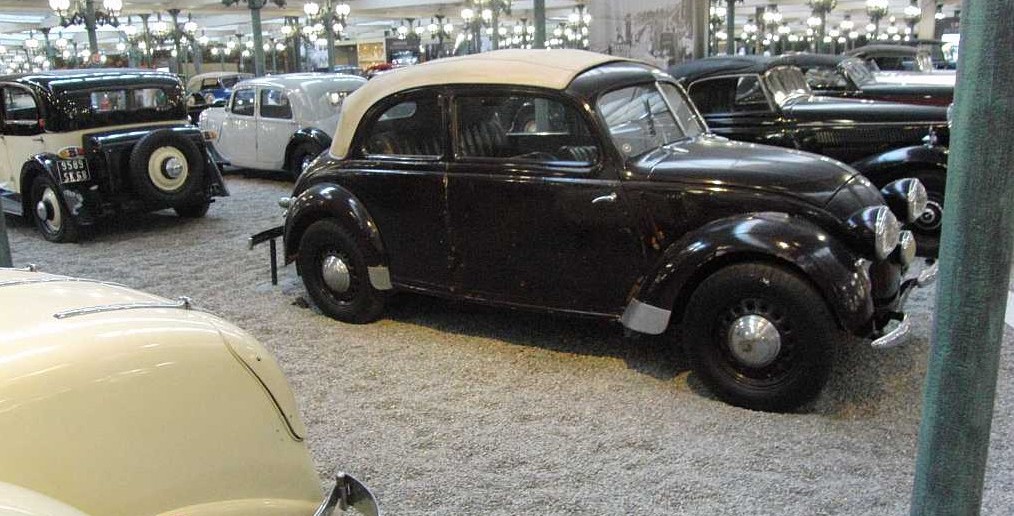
{"points": [[333, 262], [50, 213], [301, 157], [759, 336]]}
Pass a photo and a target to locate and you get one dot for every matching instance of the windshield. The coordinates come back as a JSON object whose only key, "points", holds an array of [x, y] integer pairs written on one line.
{"points": [[641, 119], [857, 71], [229, 82], [785, 82]]}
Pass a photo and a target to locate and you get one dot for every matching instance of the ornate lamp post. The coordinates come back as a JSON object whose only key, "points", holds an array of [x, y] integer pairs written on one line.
{"points": [[749, 32], [296, 35], [83, 12], [912, 15], [484, 13], [255, 24], [334, 17], [820, 9], [846, 27], [772, 19], [876, 10], [578, 22]]}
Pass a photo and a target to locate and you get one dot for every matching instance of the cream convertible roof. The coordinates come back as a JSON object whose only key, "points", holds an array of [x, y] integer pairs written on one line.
{"points": [[553, 69]]}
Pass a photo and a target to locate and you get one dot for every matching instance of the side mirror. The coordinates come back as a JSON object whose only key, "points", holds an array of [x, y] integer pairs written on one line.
{"points": [[218, 103]]}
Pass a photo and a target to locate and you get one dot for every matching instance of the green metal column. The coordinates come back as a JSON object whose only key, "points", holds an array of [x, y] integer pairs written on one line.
{"points": [[539, 10], [700, 12], [5, 245], [975, 261], [90, 26], [730, 27], [258, 36]]}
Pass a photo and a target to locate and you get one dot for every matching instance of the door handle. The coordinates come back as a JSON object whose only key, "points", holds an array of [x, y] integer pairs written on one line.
{"points": [[605, 198]]}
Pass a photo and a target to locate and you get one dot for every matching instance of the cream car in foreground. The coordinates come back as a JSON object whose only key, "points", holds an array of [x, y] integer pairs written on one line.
{"points": [[117, 402], [280, 122]]}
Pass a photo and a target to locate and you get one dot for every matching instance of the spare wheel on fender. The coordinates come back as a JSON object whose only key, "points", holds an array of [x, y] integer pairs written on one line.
{"points": [[167, 168]]}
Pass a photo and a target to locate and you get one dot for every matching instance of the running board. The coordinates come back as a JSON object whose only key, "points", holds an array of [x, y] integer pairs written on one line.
{"points": [[11, 203]]}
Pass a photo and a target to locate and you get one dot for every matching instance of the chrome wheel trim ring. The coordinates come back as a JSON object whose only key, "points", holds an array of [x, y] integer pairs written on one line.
{"points": [[335, 273], [754, 341], [48, 211], [931, 217], [168, 168]]}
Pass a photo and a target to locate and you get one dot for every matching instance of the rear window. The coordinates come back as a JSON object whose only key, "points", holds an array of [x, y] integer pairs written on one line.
{"points": [[120, 100]]}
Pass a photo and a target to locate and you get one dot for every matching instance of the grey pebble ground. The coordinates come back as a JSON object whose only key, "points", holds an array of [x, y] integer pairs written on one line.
{"points": [[448, 408]]}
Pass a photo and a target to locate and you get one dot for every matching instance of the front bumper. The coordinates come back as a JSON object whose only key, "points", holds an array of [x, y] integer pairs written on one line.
{"points": [[899, 333], [348, 492]]}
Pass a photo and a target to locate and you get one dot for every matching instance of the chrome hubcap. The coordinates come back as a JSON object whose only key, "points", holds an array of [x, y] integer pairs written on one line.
{"points": [[930, 218], [48, 211], [172, 168], [336, 273], [754, 341]]}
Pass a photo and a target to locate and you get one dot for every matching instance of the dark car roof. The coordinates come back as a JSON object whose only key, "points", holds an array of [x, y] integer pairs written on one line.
{"points": [[806, 60], [105, 75], [720, 65], [883, 50]]}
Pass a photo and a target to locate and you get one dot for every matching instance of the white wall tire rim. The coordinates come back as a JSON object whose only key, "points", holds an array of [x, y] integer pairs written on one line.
{"points": [[168, 168], [48, 211]]}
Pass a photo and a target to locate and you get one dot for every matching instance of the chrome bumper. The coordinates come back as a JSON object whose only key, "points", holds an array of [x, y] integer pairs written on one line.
{"points": [[899, 334], [349, 492]]}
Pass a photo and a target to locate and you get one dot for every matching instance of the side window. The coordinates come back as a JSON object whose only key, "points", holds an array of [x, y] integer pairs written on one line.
{"points": [[209, 84], [21, 113], [410, 128], [523, 128], [243, 102], [741, 94], [275, 104]]}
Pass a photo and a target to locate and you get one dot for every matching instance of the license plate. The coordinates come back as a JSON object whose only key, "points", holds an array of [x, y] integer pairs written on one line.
{"points": [[73, 170]]}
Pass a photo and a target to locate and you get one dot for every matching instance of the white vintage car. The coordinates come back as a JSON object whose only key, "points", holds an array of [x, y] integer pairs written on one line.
{"points": [[117, 402], [280, 122]]}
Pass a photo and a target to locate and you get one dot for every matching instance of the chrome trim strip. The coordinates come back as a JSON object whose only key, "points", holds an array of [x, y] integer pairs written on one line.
{"points": [[894, 337], [181, 302], [380, 277], [29, 281], [31, 267], [644, 318]]}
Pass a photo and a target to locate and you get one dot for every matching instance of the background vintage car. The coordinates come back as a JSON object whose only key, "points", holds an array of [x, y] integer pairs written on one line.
{"points": [[116, 402], [215, 86], [581, 183], [80, 144], [763, 100], [280, 122]]}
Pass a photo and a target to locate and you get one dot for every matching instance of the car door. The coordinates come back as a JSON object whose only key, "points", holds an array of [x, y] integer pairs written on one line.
{"points": [[738, 107], [397, 171], [535, 217], [21, 138], [239, 129], [275, 126]]}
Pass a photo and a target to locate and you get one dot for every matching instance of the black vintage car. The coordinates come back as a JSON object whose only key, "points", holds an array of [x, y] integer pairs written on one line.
{"points": [[80, 144], [763, 100], [842, 76], [579, 183]]}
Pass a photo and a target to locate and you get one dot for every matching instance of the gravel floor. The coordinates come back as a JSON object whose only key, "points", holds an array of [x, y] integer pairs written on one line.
{"points": [[447, 408]]}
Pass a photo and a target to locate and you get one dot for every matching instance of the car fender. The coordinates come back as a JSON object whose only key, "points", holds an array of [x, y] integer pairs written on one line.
{"points": [[329, 200], [887, 166], [42, 163], [779, 238], [307, 135], [20, 501]]}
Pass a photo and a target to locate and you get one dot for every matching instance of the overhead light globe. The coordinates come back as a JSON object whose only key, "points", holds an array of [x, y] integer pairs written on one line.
{"points": [[312, 9]]}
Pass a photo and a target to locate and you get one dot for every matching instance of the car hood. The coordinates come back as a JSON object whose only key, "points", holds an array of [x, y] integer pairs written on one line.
{"points": [[830, 109], [718, 161]]}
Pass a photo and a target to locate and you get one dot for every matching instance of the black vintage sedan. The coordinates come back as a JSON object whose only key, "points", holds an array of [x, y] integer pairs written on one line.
{"points": [[579, 183], [763, 100], [842, 76]]}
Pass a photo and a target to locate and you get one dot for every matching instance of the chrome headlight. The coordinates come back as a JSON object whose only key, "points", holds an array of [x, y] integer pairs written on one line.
{"points": [[876, 225], [886, 233], [906, 248], [906, 197]]}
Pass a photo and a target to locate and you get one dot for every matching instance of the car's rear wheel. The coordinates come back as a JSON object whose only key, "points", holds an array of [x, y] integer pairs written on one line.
{"points": [[50, 212], [927, 227], [301, 156], [167, 168], [759, 336], [332, 263]]}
